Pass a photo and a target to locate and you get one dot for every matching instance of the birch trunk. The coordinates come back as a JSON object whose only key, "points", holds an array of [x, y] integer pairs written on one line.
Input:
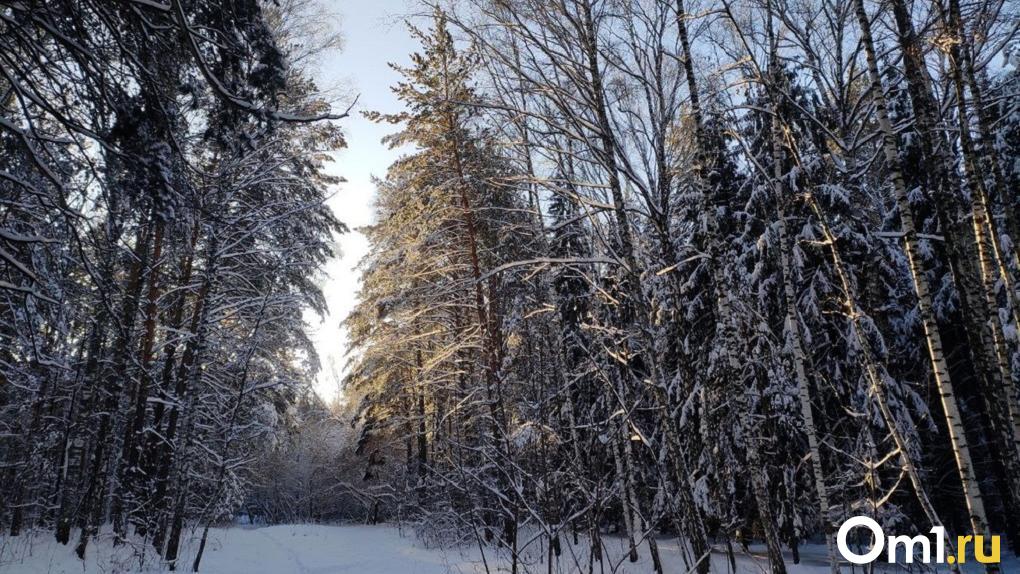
{"points": [[790, 298], [986, 149], [954, 422], [800, 370], [965, 248], [961, 242], [875, 376], [990, 255], [625, 498]]}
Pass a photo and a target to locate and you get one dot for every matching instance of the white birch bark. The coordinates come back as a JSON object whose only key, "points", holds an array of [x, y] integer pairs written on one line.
{"points": [[799, 361], [792, 320], [990, 258], [875, 375], [940, 368]]}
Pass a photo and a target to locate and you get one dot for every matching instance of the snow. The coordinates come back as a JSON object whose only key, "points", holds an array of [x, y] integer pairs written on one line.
{"points": [[322, 549]]}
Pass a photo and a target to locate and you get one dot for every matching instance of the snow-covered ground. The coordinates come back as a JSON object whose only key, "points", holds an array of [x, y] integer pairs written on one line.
{"points": [[320, 549]]}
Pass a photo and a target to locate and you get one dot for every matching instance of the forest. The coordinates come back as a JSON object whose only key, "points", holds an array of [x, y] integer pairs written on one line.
{"points": [[654, 286]]}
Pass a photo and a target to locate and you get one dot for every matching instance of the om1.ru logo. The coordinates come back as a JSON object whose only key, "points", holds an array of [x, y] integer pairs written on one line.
{"points": [[911, 544]]}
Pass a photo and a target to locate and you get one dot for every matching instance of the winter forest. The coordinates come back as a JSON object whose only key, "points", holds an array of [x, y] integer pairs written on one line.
{"points": [[659, 286]]}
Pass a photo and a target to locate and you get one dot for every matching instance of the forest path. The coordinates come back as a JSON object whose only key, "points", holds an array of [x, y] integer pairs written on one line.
{"points": [[321, 549]]}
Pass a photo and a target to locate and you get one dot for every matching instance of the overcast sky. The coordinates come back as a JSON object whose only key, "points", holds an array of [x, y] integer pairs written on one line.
{"points": [[374, 35]]}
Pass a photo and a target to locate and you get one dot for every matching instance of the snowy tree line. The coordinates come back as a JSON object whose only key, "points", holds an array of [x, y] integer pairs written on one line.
{"points": [[723, 270], [162, 229]]}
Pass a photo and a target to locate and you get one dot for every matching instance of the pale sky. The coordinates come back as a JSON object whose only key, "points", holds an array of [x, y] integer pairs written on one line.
{"points": [[373, 36]]}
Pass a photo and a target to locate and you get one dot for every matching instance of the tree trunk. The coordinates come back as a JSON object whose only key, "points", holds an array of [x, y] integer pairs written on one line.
{"points": [[129, 471], [979, 307], [990, 257], [606, 152], [193, 351], [92, 506], [875, 376], [625, 498], [954, 422], [800, 360]]}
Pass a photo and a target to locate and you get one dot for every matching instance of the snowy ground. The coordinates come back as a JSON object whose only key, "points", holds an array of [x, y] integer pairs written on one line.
{"points": [[319, 549]]}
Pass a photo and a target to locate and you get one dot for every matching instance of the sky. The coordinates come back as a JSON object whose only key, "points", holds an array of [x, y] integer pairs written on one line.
{"points": [[374, 35]]}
